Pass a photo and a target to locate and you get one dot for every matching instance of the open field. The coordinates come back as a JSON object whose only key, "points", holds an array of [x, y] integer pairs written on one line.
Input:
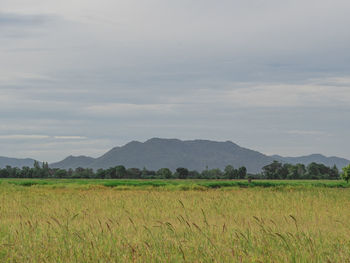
{"points": [[187, 184], [85, 221]]}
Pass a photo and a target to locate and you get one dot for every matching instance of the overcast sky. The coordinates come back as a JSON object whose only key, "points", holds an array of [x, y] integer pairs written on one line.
{"points": [[82, 76]]}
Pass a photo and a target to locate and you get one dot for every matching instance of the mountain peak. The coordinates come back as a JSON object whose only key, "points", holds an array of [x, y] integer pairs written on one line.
{"points": [[161, 140], [196, 154], [73, 162]]}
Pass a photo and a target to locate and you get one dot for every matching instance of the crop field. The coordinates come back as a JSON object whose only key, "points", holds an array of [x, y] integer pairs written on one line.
{"points": [[173, 184], [174, 221]]}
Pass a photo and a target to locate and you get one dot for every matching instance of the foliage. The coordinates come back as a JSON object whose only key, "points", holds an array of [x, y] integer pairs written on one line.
{"points": [[346, 173], [181, 173], [277, 170], [164, 173], [176, 184]]}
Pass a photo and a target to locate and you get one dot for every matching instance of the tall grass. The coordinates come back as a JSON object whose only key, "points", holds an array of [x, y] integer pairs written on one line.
{"points": [[178, 184], [102, 224]]}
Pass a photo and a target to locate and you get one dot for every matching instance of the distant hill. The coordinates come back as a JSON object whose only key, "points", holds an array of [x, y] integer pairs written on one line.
{"points": [[14, 162], [73, 162], [173, 153], [194, 154], [317, 158]]}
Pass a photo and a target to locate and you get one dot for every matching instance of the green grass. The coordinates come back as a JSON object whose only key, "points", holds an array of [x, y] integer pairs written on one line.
{"points": [[177, 184]]}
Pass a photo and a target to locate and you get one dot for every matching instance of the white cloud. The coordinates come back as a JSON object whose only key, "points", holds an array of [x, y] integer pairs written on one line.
{"points": [[39, 137], [10, 77], [240, 70], [70, 137], [128, 109], [286, 95], [24, 137], [303, 132]]}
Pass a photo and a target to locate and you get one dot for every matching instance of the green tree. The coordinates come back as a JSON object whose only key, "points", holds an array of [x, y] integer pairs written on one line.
{"points": [[211, 174], [60, 173], [293, 172], [272, 170], [164, 173], [111, 173], [45, 171], [215, 173], [4, 173], [334, 173], [26, 172], [230, 172], [182, 173], [100, 174], [313, 170], [301, 170], [37, 172], [283, 171], [242, 172], [120, 171], [134, 173], [146, 174], [194, 174], [346, 173]]}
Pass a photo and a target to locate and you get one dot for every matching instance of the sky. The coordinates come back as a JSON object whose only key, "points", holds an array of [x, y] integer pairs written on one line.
{"points": [[79, 77]]}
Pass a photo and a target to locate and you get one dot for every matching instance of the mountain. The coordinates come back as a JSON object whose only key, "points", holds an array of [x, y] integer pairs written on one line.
{"points": [[73, 162], [173, 153], [317, 158], [194, 154], [14, 162]]}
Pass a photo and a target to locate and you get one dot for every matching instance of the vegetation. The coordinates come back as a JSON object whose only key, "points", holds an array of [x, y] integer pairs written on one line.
{"points": [[346, 173], [188, 184], [275, 170], [92, 223], [120, 172]]}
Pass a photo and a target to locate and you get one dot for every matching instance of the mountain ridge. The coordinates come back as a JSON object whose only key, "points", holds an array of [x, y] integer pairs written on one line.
{"points": [[16, 162], [196, 154], [317, 158], [73, 162]]}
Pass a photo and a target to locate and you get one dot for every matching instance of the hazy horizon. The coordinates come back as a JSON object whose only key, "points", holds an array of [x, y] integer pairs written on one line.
{"points": [[183, 140], [81, 77]]}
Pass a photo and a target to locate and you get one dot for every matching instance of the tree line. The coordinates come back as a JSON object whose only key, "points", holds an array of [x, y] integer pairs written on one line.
{"points": [[120, 172], [275, 170]]}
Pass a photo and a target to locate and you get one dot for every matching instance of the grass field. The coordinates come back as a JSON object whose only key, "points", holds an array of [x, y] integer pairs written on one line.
{"points": [[137, 221], [174, 184]]}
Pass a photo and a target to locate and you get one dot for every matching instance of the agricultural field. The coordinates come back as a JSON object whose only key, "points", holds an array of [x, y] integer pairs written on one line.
{"points": [[174, 221], [163, 184]]}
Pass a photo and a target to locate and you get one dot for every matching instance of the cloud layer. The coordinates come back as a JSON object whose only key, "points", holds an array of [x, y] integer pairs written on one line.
{"points": [[80, 77]]}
